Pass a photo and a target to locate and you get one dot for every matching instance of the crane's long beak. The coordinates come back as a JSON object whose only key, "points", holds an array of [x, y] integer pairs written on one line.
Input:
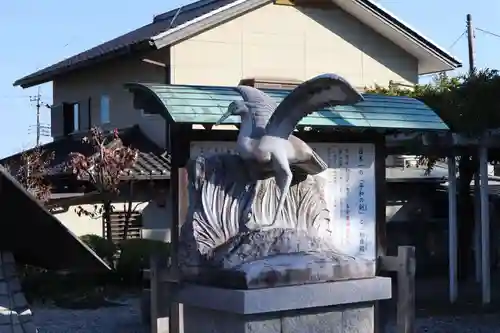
{"points": [[224, 117]]}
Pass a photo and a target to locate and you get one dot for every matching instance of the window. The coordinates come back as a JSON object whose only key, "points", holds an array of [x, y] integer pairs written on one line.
{"points": [[71, 117], [105, 116], [76, 117]]}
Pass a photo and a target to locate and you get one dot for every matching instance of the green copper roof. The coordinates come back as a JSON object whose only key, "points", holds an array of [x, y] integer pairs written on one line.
{"points": [[206, 104]]}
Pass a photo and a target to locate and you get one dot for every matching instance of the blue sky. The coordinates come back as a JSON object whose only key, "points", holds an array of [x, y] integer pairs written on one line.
{"points": [[35, 34]]}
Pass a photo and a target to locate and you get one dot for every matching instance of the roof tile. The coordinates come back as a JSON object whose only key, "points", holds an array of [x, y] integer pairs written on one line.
{"points": [[153, 162], [206, 104]]}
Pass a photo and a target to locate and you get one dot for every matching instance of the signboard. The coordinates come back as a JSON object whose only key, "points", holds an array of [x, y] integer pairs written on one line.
{"points": [[351, 191], [351, 176]]}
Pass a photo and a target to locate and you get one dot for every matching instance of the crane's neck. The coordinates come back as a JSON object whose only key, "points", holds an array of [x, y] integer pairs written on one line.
{"points": [[246, 127], [246, 142]]}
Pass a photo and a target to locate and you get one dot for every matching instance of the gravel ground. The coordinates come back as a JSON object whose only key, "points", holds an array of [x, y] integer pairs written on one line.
{"points": [[117, 319], [126, 319], [464, 324]]}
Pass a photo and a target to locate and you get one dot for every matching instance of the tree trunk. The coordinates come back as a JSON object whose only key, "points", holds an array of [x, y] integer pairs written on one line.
{"points": [[467, 166], [128, 211], [106, 216]]}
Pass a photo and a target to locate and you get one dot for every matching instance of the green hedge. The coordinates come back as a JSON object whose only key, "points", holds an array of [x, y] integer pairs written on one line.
{"points": [[102, 247], [129, 258]]}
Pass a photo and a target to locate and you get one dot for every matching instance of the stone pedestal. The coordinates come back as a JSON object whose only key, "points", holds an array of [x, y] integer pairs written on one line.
{"points": [[340, 307], [15, 314]]}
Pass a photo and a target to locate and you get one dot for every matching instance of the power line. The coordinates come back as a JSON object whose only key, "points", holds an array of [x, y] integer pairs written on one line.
{"points": [[14, 96], [488, 32], [457, 40]]}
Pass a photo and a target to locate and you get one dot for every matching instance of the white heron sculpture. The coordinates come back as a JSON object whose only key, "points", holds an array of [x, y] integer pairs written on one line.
{"points": [[266, 129]]}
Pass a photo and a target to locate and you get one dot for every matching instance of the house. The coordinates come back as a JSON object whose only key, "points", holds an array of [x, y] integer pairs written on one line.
{"points": [[224, 42], [70, 195]]}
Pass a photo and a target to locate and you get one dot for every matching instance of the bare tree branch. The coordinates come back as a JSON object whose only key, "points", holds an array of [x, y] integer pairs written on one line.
{"points": [[104, 169], [31, 172]]}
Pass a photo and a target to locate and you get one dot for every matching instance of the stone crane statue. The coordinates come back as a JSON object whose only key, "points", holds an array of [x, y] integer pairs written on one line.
{"points": [[266, 129]]}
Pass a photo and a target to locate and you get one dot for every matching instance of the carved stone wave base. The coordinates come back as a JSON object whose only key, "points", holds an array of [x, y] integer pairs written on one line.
{"points": [[278, 257], [340, 307], [290, 269]]}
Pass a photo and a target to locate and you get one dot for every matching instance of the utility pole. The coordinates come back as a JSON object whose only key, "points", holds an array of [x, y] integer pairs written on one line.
{"points": [[41, 129], [37, 99], [470, 39]]}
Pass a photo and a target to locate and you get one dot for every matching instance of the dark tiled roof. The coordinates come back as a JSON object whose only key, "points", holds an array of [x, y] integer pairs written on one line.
{"points": [[153, 162], [134, 40]]}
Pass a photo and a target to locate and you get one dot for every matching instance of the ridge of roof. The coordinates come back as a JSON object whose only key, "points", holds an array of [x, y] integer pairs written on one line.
{"points": [[185, 17], [190, 6]]}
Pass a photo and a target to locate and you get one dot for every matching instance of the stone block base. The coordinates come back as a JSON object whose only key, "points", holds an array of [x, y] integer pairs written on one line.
{"points": [[334, 307], [15, 314], [341, 319]]}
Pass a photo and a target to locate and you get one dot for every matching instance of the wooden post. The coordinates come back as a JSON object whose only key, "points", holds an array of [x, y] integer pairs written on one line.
{"points": [[405, 266], [406, 289], [485, 225], [452, 228], [153, 298], [160, 311], [470, 42], [180, 149], [381, 311], [164, 280]]}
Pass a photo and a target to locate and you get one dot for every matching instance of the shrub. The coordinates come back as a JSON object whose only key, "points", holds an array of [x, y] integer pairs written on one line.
{"points": [[102, 247], [135, 255]]}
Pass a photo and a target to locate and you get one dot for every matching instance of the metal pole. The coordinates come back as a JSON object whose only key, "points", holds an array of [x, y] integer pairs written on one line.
{"points": [[485, 225], [452, 228], [477, 226]]}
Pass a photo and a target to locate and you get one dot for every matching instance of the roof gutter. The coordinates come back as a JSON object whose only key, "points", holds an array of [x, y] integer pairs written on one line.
{"points": [[410, 32], [33, 79]]}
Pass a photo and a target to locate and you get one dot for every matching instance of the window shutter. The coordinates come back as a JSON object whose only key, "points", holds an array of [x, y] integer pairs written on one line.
{"points": [[117, 220], [57, 120], [85, 114]]}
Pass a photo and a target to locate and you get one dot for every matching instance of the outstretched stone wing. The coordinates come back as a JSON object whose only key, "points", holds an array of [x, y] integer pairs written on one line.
{"points": [[260, 104], [312, 95]]}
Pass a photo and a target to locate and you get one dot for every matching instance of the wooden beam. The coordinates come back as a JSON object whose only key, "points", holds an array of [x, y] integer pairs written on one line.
{"points": [[389, 263]]}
